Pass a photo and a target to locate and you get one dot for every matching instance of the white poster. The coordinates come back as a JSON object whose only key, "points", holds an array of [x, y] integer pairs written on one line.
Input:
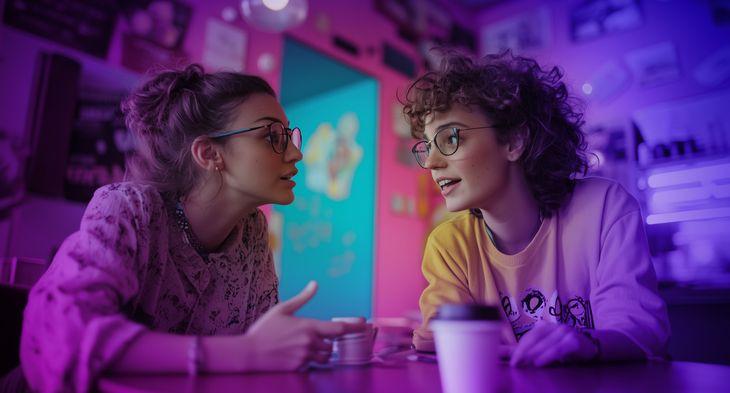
{"points": [[225, 47]]}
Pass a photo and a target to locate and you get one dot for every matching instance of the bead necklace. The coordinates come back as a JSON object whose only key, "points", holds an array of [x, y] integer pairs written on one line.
{"points": [[188, 235]]}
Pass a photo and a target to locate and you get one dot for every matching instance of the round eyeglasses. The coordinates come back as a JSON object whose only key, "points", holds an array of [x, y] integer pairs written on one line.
{"points": [[446, 141], [279, 135]]}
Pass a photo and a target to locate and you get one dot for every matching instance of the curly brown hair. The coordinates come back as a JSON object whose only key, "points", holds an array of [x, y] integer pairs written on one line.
{"points": [[170, 110], [524, 100]]}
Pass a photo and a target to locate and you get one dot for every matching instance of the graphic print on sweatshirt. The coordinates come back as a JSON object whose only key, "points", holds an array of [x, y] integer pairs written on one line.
{"points": [[532, 306]]}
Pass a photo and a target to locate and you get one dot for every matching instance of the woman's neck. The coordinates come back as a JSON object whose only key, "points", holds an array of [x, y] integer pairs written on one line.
{"points": [[213, 213], [514, 217]]}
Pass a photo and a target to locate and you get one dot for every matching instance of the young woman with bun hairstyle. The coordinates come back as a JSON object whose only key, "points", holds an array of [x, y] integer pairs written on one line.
{"points": [[171, 271]]}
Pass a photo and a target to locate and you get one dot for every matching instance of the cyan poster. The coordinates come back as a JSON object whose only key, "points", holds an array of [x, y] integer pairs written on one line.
{"points": [[326, 234]]}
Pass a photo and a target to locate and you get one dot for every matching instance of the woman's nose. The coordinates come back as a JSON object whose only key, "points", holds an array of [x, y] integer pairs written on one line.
{"points": [[434, 159], [292, 152]]}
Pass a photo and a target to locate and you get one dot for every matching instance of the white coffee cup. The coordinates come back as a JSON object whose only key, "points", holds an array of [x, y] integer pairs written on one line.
{"points": [[467, 343]]}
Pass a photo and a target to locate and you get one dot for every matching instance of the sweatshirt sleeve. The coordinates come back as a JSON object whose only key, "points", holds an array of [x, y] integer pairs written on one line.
{"points": [[73, 327], [447, 283], [625, 297]]}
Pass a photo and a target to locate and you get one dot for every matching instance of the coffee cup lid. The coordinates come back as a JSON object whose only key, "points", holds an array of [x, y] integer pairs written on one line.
{"points": [[467, 312]]}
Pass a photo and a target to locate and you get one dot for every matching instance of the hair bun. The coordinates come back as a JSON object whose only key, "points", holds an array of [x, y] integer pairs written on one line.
{"points": [[192, 74], [187, 78], [147, 108]]}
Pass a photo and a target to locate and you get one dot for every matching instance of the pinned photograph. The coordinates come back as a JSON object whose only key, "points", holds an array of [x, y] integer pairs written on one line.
{"points": [[594, 18], [153, 32], [654, 65], [525, 32], [163, 22]]}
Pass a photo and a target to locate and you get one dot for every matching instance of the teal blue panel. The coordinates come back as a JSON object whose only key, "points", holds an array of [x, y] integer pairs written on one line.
{"points": [[307, 73], [327, 233]]}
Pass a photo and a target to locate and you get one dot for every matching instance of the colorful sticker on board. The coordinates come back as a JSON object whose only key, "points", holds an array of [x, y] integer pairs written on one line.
{"points": [[332, 155]]}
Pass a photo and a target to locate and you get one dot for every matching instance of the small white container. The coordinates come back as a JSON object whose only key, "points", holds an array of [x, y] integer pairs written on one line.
{"points": [[467, 345]]}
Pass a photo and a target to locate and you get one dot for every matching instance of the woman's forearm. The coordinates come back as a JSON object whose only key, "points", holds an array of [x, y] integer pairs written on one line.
{"points": [[154, 352]]}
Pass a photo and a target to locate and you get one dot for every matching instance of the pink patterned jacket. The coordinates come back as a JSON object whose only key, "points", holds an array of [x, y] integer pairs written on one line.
{"points": [[129, 269]]}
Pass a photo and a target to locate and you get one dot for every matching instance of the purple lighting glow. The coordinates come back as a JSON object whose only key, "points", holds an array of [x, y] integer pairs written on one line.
{"points": [[709, 172], [696, 191], [688, 215]]}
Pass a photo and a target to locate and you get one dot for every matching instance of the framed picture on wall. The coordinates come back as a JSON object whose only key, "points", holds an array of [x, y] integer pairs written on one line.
{"points": [[153, 33], [591, 19], [525, 32], [423, 21], [100, 143], [163, 22], [416, 19], [225, 46], [83, 25], [654, 65]]}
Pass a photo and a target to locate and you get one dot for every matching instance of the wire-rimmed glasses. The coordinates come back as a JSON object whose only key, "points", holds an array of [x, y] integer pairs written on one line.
{"points": [[446, 141], [279, 135]]}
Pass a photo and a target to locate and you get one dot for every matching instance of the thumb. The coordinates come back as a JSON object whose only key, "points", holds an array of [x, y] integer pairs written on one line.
{"points": [[295, 303]]}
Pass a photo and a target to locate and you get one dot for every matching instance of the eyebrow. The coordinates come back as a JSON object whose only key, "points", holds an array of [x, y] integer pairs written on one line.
{"points": [[271, 118], [447, 125]]}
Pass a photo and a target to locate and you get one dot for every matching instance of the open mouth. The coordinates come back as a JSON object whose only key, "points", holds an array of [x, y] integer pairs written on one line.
{"points": [[289, 175], [444, 183]]}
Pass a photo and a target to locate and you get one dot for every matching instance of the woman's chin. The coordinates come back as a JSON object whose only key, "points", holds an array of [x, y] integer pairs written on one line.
{"points": [[454, 206], [285, 199]]}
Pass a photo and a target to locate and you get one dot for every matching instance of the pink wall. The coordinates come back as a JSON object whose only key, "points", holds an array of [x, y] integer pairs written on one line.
{"points": [[399, 238]]}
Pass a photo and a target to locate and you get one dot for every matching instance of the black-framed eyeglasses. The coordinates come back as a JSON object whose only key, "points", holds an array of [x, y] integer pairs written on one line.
{"points": [[279, 135], [446, 141]]}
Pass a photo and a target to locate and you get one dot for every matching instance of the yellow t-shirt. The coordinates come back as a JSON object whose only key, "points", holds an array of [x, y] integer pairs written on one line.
{"points": [[587, 266]]}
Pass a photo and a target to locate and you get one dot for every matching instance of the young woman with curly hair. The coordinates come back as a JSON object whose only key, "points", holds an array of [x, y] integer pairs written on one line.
{"points": [[563, 255], [172, 271]]}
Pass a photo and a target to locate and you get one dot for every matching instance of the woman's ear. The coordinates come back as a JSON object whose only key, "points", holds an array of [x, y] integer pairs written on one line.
{"points": [[206, 154], [516, 145]]}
